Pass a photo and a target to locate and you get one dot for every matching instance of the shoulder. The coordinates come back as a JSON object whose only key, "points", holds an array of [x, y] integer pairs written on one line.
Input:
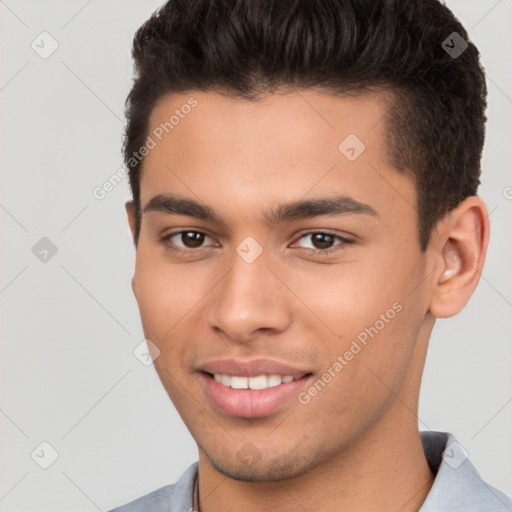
{"points": [[457, 486], [156, 501], [170, 498]]}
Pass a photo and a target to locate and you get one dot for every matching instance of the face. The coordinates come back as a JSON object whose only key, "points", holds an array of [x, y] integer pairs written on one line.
{"points": [[279, 273]]}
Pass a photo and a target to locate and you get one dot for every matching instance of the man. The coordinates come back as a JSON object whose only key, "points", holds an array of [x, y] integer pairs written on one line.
{"points": [[304, 178]]}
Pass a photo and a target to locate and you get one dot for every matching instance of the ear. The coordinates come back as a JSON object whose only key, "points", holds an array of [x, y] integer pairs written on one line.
{"points": [[130, 211], [461, 240]]}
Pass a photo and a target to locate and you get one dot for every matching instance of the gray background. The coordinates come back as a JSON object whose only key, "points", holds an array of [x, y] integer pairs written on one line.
{"points": [[69, 324]]}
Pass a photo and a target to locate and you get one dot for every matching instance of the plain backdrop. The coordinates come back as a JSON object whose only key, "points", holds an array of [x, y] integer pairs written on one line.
{"points": [[69, 322]]}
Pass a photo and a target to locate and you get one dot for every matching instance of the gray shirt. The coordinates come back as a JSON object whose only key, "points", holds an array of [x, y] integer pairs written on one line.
{"points": [[457, 485]]}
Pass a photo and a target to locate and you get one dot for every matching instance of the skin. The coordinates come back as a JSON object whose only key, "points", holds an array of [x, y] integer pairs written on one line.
{"points": [[355, 446]]}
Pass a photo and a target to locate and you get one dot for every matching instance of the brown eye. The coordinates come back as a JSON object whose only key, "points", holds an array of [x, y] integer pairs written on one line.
{"points": [[192, 239], [184, 240], [322, 242]]}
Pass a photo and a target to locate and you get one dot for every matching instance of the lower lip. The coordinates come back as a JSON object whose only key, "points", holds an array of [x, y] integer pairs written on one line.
{"points": [[248, 403]]}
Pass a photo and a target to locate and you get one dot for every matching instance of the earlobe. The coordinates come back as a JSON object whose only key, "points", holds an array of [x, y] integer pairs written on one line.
{"points": [[462, 245]]}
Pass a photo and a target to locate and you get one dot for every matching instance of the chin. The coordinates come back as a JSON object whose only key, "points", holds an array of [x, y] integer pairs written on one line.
{"points": [[265, 469]]}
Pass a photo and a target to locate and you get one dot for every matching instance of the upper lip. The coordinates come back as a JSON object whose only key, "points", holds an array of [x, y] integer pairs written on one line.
{"points": [[252, 368]]}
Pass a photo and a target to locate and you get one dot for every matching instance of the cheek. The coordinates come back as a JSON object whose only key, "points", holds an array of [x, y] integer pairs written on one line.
{"points": [[365, 315], [170, 298], [164, 301], [164, 292], [362, 378], [344, 299]]}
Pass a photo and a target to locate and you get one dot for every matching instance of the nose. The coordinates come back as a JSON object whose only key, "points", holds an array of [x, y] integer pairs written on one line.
{"points": [[249, 300]]}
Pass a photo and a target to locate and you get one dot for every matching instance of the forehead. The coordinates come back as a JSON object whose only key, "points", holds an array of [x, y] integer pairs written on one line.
{"points": [[281, 117], [281, 147]]}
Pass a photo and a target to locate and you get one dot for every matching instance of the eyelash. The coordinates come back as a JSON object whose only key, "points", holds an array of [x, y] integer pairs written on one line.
{"points": [[166, 242]]}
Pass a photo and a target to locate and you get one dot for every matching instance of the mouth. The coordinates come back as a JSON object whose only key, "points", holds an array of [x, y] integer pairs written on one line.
{"points": [[250, 392]]}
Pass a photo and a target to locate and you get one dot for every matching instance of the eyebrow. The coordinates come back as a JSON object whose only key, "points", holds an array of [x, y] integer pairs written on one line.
{"points": [[303, 209]]}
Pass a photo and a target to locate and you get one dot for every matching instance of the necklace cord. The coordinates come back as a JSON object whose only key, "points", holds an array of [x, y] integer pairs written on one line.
{"points": [[196, 495]]}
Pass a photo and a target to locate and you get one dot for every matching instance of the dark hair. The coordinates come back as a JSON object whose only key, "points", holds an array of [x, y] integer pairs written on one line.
{"points": [[247, 48]]}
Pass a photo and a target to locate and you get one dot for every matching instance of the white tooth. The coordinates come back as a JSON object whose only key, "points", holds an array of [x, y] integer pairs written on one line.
{"points": [[287, 378], [273, 380], [225, 379], [258, 382], [239, 382], [217, 377]]}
